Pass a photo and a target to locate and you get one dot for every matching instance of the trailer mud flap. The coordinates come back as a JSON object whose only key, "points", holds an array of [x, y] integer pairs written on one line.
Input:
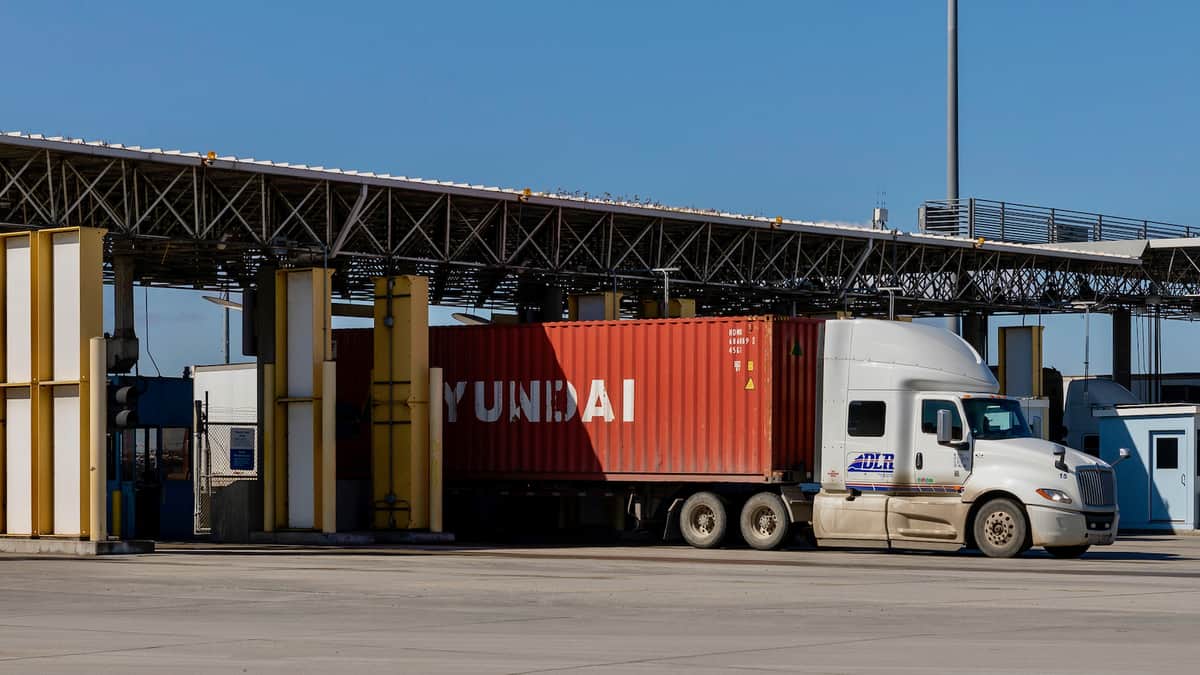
{"points": [[671, 529], [799, 504]]}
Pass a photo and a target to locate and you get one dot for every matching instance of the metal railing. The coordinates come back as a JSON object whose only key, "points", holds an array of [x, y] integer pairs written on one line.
{"points": [[1027, 224]]}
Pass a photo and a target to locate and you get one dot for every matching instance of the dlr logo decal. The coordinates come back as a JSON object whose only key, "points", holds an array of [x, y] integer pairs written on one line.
{"points": [[872, 462]]}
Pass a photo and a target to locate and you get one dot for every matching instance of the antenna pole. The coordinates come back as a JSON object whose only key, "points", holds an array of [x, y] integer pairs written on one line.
{"points": [[951, 99]]}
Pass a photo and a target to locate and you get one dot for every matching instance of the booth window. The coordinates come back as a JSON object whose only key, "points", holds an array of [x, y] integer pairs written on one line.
{"points": [[175, 453], [866, 418], [1166, 453]]}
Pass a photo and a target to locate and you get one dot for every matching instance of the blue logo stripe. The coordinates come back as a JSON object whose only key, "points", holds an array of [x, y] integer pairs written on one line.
{"points": [[873, 462]]}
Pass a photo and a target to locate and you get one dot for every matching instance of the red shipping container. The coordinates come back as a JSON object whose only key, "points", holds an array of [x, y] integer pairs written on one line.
{"points": [[711, 399], [354, 351]]}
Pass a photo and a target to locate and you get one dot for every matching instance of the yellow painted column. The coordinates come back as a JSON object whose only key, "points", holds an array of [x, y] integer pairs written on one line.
{"points": [[3, 458], [1020, 337], [41, 362], [3, 381], [594, 307], [1036, 362], [400, 403], [681, 308], [1002, 365], [55, 281], [92, 385]]}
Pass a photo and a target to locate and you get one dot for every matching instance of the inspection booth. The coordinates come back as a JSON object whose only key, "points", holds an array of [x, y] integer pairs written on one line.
{"points": [[149, 457], [1156, 486]]}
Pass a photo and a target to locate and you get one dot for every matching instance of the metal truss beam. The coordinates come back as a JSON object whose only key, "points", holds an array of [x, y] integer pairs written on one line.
{"points": [[197, 222]]}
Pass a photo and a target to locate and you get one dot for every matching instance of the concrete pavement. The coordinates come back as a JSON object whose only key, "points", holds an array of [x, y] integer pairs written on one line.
{"points": [[1134, 607]]}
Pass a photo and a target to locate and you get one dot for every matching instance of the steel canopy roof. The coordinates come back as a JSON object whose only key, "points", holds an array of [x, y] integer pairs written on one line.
{"points": [[209, 221]]}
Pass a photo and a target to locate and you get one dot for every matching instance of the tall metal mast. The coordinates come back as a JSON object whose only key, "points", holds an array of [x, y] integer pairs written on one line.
{"points": [[951, 99]]}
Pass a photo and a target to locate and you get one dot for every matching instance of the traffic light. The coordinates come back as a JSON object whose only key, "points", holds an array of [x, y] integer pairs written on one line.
{"points": [[122, 405]]}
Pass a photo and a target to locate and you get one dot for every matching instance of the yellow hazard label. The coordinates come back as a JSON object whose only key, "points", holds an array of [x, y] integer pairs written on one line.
{"points": [[750, 384], [749, 365]]}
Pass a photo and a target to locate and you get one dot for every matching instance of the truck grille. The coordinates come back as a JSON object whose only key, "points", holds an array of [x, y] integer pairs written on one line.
{"points": [[1096, 486]]}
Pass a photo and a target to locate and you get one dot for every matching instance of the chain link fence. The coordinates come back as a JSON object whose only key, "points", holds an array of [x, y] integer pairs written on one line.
{"points": [[227, 452]]}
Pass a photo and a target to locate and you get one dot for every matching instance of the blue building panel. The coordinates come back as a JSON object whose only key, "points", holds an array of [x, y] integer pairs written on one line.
{"points": [[1156, 486], [150, 459]]}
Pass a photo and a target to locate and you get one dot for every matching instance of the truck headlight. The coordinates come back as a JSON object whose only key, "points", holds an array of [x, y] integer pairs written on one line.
{"points": [[1057, 496]]}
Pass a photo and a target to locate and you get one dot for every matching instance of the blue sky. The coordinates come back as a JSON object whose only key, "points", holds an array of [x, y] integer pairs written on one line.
{"points": [[808, 109]]}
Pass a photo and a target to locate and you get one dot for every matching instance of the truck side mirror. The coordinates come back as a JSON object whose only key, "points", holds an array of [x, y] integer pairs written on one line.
{"points": [[1122, 455], [1060, 458], [944, 430]]}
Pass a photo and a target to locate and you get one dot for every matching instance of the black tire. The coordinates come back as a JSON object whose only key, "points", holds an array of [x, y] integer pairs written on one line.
{"points": [[765, 521], [1068, 551], [703, 520], [1001, 529]]}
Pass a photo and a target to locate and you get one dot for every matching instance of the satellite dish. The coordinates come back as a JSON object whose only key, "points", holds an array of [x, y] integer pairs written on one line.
{"points": [[227, 304], [470, 319]]}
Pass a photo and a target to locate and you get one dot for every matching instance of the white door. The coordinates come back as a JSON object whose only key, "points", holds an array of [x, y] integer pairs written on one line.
{"points": [[937, 468], [1170, 485]]}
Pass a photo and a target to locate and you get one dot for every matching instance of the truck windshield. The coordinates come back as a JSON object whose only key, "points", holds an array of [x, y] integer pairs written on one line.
{"points": [[995, 418]]}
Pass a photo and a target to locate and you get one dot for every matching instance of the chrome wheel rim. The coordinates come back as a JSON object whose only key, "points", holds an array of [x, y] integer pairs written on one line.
{"points": [[1000, 528], [764, 521], [703, 520]]}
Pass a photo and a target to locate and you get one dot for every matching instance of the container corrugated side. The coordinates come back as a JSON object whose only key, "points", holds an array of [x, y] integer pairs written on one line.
{"points": [[796, 401], [682, 399], [354, 351]]}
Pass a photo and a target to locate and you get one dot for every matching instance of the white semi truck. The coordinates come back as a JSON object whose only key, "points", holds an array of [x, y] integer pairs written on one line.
{"points": [[866, 433], [918, 451]]}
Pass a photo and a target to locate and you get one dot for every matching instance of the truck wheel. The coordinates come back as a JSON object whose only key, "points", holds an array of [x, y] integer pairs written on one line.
{"points": [[1001, 530], [703, 520], [765, 521], [1068, 551]]}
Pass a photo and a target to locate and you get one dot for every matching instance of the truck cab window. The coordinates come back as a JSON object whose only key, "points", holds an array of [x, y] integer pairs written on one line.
{"points": [[866, 418], [994, 419], [929, 411], [1091, 444]]}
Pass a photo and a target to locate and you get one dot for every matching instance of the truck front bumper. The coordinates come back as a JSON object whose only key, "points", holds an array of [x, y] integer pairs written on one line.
{"points": [[1060, 527]]}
